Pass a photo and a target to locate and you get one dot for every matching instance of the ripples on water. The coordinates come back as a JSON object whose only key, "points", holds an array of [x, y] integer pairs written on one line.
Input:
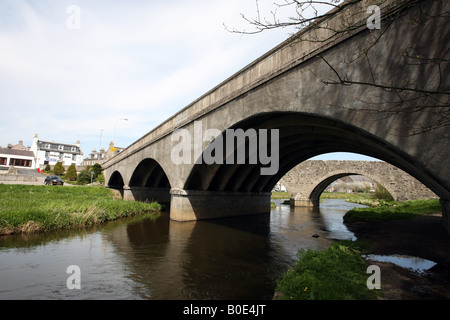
{"points": [[235, 258]]}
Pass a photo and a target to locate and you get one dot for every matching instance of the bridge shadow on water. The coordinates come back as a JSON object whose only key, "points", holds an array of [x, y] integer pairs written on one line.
{"points": [[229, 258]]}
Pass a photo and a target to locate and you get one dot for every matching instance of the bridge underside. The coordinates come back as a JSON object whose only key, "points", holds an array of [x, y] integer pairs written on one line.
{"points": [[224, 190]]}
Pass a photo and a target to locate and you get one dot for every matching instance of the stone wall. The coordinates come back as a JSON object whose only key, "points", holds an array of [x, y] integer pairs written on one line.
{"points": [[8, 178]]}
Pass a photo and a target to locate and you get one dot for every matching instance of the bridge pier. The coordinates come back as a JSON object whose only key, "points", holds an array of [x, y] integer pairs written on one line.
{"points": [[446, 214], [294, 202], [191, 205], [299, 200]]}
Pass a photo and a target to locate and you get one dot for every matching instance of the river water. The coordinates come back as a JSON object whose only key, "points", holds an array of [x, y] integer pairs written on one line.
{"points": [[144, 258]]}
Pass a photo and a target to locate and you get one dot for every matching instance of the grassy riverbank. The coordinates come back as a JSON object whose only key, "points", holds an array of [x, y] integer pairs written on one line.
{"points": [[340, 272], [350, 197], [25, 209], [361, 198], [330, 195], [393, 210], [280, 195]]}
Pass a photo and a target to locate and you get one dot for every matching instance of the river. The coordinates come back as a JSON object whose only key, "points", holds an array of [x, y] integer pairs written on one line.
{"points": [[234, 258]]}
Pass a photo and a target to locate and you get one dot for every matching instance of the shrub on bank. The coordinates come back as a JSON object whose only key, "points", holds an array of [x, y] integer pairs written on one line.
{"points": [[84, 177], [58, 169], [93, 173], [71, 174], [382, 193]]}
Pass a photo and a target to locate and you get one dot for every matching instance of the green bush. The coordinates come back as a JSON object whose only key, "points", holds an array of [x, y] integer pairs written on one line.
{"points": [[59, 169], [97, 169], [84, 177], [86, 174], [47, 168], [382, 193], [71, 173], [101, 178]]}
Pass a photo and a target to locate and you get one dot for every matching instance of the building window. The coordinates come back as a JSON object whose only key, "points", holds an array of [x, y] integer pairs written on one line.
{"points": [[19, 162], [3, 161]]}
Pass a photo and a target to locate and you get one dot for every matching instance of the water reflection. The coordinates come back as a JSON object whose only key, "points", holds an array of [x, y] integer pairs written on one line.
{"points": [[415, 264], [235, 258]]}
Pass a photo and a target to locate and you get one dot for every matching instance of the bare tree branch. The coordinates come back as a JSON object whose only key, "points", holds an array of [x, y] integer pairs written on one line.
{"points": [[404, 98]]}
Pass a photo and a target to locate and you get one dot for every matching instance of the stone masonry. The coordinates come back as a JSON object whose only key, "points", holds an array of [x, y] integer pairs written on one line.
{"points": [[309, 179]]}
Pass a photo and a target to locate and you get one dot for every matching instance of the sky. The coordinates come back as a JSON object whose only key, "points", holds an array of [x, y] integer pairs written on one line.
{"points": [[74, 70]]}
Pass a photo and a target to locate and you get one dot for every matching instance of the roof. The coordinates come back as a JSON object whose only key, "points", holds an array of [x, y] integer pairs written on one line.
{"points": [[59, 143], [54, 146], [14, 152]]}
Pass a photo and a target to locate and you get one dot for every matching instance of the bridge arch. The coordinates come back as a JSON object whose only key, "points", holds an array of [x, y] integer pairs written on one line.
{"points": [[320, 187], [149, 182], [150, 174], [301, 137], [116, 181]]}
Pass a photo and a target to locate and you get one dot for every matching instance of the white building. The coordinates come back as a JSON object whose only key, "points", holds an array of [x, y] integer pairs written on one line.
{"points": [[16, 158], [47, 152]]}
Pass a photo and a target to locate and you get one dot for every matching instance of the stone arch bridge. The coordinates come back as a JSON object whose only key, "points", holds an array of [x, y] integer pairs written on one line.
{"points": [[306, 182], [294, 100]]}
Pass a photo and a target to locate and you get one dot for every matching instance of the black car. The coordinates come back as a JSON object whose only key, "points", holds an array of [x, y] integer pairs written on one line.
{"points": [[53, 180]]}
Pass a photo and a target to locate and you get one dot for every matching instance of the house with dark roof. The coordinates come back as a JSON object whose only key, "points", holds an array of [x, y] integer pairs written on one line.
{"points": [[16, 158], [50, 152]]}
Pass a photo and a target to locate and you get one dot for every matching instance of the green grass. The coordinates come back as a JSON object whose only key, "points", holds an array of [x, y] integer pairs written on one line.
{"points": [[26, 209], [393, 210], [361, 198], [346, 196], [280, 195], [338, 273]]}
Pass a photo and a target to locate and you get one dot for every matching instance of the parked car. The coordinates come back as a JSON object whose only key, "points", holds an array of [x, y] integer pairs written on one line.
{"points": [[53, 180]]}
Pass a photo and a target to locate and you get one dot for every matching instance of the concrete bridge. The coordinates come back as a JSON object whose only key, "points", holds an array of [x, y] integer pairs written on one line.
{"points": [[287, 99], [306, 182]]}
